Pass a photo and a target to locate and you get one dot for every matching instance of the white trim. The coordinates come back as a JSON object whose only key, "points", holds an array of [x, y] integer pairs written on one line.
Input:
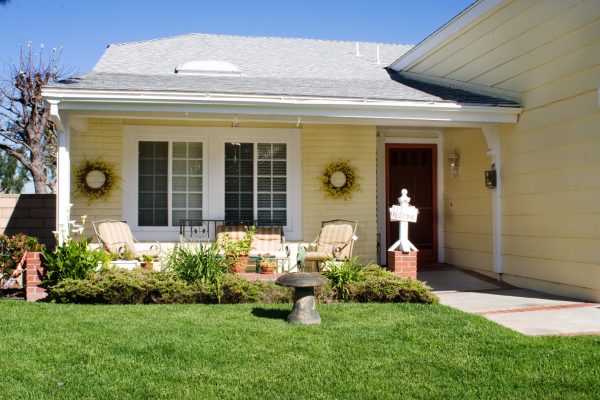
{"points": [[382, 140], [492, 137], [63, 170], [214, 140], [348, 110], [458, 23]]}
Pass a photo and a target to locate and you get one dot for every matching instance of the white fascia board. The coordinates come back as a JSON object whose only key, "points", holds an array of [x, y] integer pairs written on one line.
{"points": [[444, 33], [170, 102]]}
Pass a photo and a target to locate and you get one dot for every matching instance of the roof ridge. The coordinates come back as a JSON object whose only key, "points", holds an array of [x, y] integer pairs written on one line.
{"points": [[255, 37]]}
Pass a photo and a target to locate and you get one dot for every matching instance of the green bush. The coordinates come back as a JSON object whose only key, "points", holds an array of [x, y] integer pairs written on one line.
{"points": [[382, 286], [138, 286], [342, 273], [236, 289], [12, 250]]}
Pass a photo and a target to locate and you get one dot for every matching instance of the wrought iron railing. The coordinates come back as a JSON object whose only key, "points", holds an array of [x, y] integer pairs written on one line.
{"points": [[204, 230]]}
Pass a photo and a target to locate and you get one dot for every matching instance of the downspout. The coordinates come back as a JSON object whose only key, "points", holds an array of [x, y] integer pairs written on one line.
{"points": [[492, 136], [63, 171]]}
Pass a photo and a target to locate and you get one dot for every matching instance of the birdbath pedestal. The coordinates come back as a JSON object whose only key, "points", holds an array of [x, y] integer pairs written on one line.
{"points": [[305, 310]]}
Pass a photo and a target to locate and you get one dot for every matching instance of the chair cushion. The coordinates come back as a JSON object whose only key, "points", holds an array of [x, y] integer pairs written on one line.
{"points": [[116, 236], [267, 240], [335, 233], [317, 255]]}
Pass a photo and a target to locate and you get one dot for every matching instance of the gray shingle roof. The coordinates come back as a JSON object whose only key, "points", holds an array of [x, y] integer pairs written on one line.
{"points": [[270, 66]]}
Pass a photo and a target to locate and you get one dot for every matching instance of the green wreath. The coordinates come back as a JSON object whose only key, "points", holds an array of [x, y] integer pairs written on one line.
{"points": [[93, 193], [339, 180]]}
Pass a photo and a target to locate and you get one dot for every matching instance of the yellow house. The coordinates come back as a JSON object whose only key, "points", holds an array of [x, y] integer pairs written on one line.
{"points": [[491, 124]]}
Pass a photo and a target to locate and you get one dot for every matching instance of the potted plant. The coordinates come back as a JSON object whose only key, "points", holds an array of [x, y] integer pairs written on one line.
{"points": [[236, 252], [147, 261], [267, 264]]}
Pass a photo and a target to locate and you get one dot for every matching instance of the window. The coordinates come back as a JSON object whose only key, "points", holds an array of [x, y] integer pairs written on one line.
{"points": [[210, 173], [271, 177], [272, 182], [152, 183], [239, 181], [185, 182]]}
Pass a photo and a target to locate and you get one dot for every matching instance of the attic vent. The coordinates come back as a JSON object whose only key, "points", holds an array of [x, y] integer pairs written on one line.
{"points": [[208, 68]]}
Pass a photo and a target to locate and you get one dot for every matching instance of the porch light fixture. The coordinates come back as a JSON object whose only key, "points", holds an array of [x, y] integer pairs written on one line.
{"points": [[453, 160]]}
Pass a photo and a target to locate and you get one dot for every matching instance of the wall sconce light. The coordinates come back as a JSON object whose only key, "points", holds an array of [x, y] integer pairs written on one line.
{"points": [[453, 159], [491, 178]]}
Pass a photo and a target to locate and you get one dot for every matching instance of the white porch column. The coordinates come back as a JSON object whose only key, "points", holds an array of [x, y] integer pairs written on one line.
{"points": [[492, 136], [63, 170]]}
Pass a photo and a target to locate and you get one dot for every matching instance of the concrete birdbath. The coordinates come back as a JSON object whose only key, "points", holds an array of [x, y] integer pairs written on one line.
{"points": [[305, 310]]}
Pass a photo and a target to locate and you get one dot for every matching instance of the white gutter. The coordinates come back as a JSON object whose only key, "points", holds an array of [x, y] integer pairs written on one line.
{"points": [[444, 33], [114, 100]]}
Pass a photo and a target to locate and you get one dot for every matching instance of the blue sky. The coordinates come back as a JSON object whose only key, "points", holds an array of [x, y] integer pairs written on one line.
{"points": [[86, 27]]}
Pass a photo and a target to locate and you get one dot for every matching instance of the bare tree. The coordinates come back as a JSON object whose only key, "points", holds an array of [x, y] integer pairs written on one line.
{"points": [[26, 131]]}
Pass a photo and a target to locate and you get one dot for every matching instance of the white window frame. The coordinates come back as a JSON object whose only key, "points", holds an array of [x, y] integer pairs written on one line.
{"points": [[213, 172]]}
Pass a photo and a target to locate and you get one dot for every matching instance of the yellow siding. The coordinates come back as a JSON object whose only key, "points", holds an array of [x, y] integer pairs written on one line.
{"points": [[101, 140], [467, 202], [521, 46], [548, 51], [322, 144]]}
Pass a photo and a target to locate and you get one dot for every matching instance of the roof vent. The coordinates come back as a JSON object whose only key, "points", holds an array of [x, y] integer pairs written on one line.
{"points": [[208, 68]]}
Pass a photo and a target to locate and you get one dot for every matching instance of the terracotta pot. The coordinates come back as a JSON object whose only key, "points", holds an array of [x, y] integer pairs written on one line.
{"points": [[267, 269], [148, 265], [239, 265]]}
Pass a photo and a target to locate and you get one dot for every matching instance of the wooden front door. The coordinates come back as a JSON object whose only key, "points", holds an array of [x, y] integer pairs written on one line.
{"points": [[413, 167]]}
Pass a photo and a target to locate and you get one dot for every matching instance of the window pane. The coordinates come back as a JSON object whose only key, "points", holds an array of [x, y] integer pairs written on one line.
{"points": [[179, 183], [179, 215], [179, 167], [195, 167], [195, 150], [194, 200], [152, 186], [195, 184], [179, 200], [179, 150], [264, 200]]}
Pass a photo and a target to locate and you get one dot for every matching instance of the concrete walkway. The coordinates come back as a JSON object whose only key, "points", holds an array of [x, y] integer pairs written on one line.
{"points": [[526, 311]]}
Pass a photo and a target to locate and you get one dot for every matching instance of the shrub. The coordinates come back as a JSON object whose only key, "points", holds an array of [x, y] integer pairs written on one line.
{"points": [[382, 286], [138, 286], [341, 273], [236, 289], [12, 250]]}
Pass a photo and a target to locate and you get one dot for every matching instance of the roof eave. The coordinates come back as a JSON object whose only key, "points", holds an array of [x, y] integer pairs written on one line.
{"points": [[340, 108]]}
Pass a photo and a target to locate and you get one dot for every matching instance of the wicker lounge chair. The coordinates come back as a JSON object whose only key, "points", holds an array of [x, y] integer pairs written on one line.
{"points": [[335, 241], [116, 237]]}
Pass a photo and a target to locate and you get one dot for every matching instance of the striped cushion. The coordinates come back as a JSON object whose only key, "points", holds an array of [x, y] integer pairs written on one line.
{"points": [[233, 232], [332, 234], [116, 236], [267, 239]]}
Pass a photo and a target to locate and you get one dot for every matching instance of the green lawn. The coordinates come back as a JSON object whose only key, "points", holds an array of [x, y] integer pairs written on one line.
{"points": [[361, 351]]}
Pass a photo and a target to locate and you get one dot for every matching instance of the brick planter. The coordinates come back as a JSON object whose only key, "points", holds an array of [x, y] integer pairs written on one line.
{"points": [[33, 277], [403, 264]]}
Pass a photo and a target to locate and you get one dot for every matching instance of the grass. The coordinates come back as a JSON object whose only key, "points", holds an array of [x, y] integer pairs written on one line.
{"points": [[361, 351]]}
